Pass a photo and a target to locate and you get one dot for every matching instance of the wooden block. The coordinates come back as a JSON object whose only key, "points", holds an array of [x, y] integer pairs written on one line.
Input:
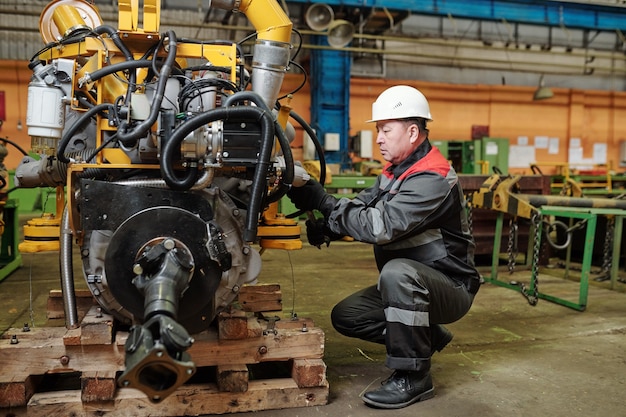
{"points": [[36, 336], [285, 345], [80, 293], [96, 328], [256, 298], [56, 309], [72, 337], [188, 400], [296, 324], [309, 372], [16, 391], [254, 328], [240, 325], [97, 386], [232, 378], [232, 325]]}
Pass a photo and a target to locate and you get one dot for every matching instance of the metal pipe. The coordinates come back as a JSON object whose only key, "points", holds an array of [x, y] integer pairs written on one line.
{"points": [[270, 21], [503, 64], [550, 200], [580, 53], [204, 181], [271, 51], [67, 272]]}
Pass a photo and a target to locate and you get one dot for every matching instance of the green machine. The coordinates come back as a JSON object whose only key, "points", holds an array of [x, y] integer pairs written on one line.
{"points": [[10, 257], [476, 156]]}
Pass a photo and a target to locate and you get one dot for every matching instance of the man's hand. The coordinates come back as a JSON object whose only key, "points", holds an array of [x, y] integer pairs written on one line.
{"points": [[318, 233], [309, 196]]}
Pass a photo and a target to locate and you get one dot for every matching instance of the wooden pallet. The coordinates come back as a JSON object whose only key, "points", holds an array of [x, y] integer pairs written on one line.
{"points": [[243, 365]]}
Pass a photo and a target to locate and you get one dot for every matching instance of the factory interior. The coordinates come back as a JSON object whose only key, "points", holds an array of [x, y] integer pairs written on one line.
{"points": [[152, 263]]}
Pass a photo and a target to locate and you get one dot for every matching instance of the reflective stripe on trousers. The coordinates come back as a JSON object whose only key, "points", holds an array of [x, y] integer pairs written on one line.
{"points": [[409, 297]]}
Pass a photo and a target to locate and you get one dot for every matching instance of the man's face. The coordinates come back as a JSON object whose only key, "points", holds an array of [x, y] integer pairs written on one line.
{"points": [[397, 139]]}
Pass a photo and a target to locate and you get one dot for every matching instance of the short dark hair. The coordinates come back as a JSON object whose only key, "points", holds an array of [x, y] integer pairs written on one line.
{"points": [[419, 121]]}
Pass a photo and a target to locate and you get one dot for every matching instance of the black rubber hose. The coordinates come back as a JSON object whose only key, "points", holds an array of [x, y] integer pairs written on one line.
{"points": [[316, 142], [224, 113], [120, 66], [115, 37], [241, 96], [259, 182], [282, 140], [318, 148], [65, 140], [18, 147], [129, 138]]}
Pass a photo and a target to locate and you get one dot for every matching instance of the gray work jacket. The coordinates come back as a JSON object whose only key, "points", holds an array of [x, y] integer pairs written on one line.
{"points": [[415, 210]]}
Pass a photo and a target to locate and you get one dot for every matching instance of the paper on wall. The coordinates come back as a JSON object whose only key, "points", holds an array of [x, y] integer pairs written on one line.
{"points": [[521, 156]]}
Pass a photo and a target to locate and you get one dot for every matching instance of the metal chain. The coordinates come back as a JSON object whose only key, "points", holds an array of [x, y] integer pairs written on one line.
{"points": [[577, 226], [536, 220], [512, 249], [607, 260], [569, 231], [534, 298]]}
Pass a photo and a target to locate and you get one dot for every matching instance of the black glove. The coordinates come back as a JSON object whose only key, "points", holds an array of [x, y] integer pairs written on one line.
{"points": [[312, 196], [318, 233]]}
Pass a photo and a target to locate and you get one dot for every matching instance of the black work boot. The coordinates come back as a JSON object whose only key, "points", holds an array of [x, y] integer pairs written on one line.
{"points": [[401, 389], [439, 338]]}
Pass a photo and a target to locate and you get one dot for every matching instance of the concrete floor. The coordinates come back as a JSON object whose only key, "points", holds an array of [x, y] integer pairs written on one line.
{"points": [[507, 358]]}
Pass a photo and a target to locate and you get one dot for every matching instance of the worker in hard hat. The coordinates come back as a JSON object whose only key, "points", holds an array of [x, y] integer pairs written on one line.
{"points": [[415, 217]]}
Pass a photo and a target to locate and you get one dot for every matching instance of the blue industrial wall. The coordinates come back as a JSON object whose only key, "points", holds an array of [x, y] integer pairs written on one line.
{"points": [[330, 97]]}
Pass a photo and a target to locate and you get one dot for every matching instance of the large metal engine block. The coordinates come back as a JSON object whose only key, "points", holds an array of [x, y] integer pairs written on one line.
{"points": [[167, 168]]}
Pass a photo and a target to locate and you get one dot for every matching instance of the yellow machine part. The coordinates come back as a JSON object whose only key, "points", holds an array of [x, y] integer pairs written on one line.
{"points": [[314, 169], [271, 23], [280, 237], [68, 19], [62, 17], [277, 231], [41, 234]]}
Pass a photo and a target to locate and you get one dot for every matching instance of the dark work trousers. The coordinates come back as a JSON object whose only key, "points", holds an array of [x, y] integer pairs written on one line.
{"points": [[410, 300]]}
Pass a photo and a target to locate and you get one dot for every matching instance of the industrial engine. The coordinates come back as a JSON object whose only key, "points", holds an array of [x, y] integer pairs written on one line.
{"points": [[166, 168]]}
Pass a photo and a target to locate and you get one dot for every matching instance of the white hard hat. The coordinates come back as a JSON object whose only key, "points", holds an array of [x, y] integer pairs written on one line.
{"points": [[400, 102]]}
